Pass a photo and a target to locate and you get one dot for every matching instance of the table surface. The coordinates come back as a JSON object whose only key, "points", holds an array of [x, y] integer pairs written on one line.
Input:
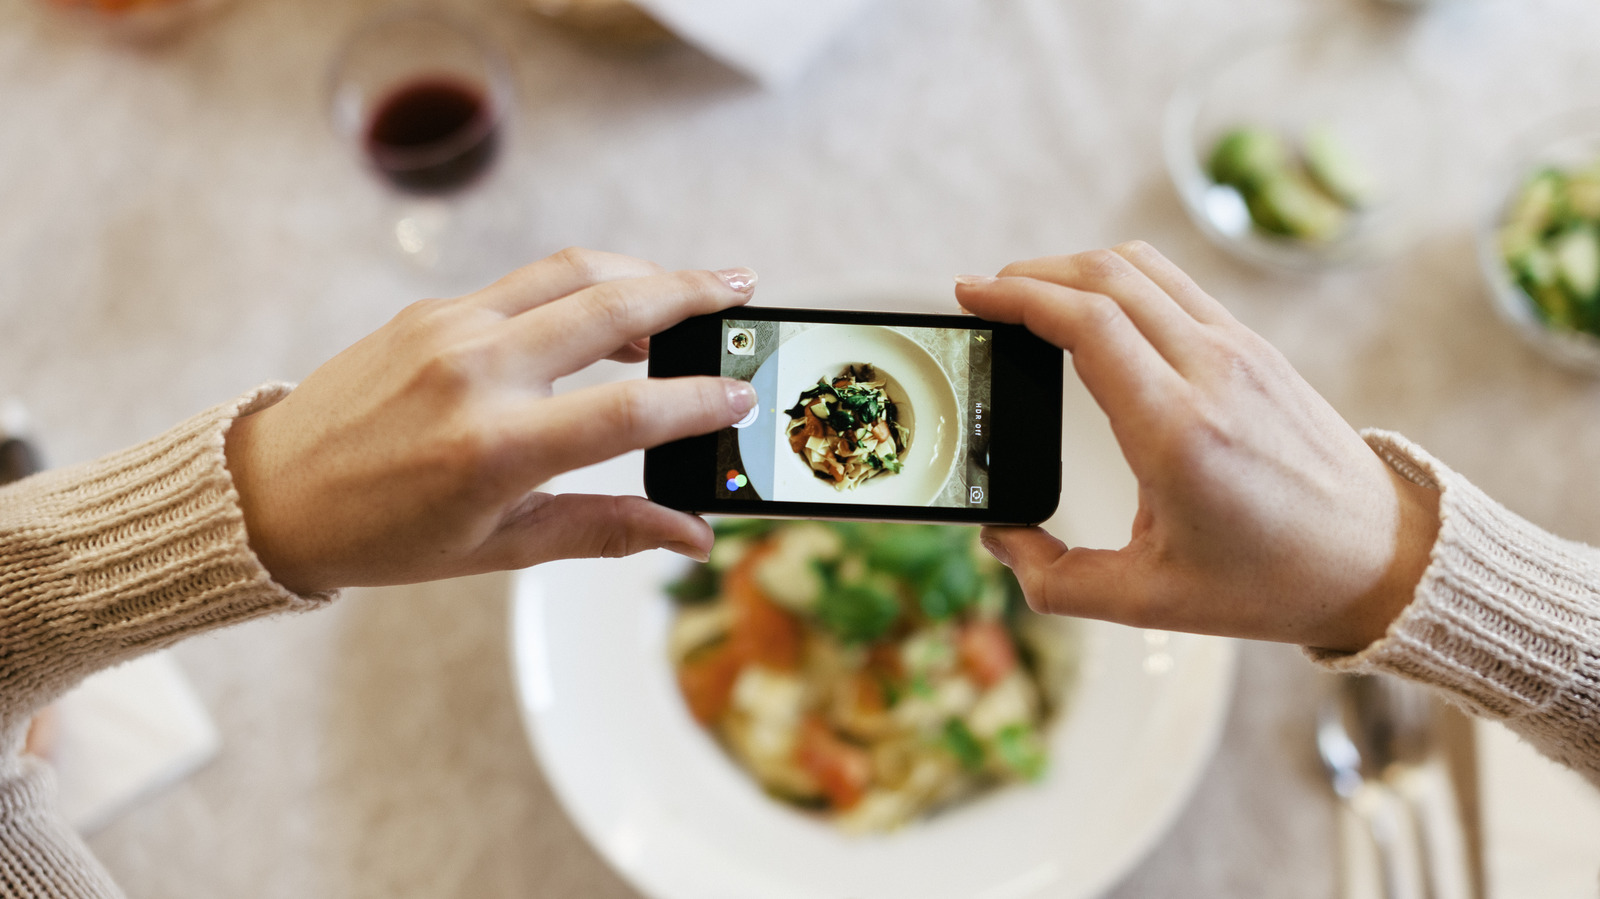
{"points": [[181, 224]]}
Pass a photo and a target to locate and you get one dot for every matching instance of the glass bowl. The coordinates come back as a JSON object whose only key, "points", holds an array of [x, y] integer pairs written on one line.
{"points": [[1347, 87], [1567, 144]]}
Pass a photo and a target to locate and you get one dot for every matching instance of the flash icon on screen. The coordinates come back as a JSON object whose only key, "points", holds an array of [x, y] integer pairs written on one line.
{"points": [[975, 496]]}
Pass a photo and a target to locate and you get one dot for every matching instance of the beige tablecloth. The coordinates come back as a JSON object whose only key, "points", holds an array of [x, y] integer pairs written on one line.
{"points": [[180, 224]]}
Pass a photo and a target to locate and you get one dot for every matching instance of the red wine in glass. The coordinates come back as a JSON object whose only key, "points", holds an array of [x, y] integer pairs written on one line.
{"points": [[432, 135]]}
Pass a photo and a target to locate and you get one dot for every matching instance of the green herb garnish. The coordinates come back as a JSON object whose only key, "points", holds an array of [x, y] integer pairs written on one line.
{"points": [[959, 739], [1021, 750], [857, 613]]}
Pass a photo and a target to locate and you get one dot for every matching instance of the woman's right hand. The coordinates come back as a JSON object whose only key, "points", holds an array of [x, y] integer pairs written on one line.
{"points": [[1262, 514]]}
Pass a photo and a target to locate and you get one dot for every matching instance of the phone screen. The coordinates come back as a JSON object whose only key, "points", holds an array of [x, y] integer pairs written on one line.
{"points": [[858, 413]]}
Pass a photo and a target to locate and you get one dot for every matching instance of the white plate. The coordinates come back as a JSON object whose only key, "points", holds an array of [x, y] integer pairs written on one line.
{"points": [[917, 383], [662, 803]]}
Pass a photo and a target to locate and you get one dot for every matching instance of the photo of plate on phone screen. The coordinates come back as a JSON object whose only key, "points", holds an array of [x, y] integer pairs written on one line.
{"points": [[899, 411]]}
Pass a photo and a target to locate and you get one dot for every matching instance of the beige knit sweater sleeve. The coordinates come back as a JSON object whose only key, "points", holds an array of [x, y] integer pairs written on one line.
{"points": [[1506, 618], [98, 564], [108, 560]]}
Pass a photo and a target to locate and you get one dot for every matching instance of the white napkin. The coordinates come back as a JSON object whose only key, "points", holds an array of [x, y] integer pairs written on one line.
{"points": [[125, 734], [1541, 822], [770, 40]]}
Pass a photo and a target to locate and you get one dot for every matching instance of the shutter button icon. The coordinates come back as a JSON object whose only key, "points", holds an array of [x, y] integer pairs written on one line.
{"points": [[749, 417]]}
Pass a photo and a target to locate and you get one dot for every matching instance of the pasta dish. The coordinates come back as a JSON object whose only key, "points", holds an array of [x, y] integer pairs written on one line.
{"points": [[848, 429]]}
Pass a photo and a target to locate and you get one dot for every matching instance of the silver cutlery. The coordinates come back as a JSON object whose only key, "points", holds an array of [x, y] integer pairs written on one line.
{"points": [[1378, 739]]}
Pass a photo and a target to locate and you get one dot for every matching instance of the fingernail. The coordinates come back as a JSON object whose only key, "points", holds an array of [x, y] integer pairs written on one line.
{"points": [[741, 396], [740, 279], [997, 550], [975, 280], [688, 550]]}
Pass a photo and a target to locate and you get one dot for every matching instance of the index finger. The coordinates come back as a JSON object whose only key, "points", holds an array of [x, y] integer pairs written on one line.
{"points": [[574, 331], [1167, 325], [557, 275], [1175, 281], [1129, 380]]}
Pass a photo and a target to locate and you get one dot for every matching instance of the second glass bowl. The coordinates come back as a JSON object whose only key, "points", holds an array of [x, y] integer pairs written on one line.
{"points": [[1346, 86], [1549, 180]]}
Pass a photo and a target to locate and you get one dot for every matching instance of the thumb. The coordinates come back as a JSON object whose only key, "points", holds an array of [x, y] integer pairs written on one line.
{"points": [[546, 527], [1082, 582]]}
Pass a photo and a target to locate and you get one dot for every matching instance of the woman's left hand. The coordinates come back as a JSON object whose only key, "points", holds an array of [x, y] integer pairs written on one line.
{"points": [[415, 454]]}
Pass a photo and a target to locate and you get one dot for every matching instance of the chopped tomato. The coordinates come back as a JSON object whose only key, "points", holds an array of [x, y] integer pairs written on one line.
{"points": [[763, 632], [986, 652], [810, 426], [707, 679], [843, 770]]}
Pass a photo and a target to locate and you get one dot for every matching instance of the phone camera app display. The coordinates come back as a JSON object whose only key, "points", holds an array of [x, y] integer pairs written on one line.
{"points": [[861, 414]]}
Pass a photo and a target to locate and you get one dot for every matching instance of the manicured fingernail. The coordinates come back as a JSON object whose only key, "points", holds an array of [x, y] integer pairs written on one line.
{"points": [[741, 396], [687, 550], [997, 550], [740, 279], [975, 280]]}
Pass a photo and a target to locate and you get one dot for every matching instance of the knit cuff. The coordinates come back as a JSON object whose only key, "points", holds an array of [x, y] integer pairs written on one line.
{"points": [[40, 855], [107, 560], [1506, 616]]}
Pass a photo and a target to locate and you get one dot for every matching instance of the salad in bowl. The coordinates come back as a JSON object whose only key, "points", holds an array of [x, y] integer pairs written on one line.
{"points": [[868, 673]]}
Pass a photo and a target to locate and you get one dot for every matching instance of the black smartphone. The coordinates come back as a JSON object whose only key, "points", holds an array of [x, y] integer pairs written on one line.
{"points": [[871, 415]]}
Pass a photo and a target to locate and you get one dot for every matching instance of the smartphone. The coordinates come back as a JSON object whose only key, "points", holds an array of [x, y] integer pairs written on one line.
{"points": [[867, 415]]}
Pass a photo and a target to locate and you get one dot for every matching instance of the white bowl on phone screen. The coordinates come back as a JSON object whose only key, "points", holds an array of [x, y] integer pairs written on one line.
{"points": [[666, 808], [919, 386]]}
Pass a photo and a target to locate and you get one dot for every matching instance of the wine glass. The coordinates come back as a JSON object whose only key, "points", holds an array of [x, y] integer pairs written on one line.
{"points": [[425, 99]]}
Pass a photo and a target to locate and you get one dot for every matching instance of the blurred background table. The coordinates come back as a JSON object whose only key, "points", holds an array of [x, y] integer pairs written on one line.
{"points": [[180, 223]]}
